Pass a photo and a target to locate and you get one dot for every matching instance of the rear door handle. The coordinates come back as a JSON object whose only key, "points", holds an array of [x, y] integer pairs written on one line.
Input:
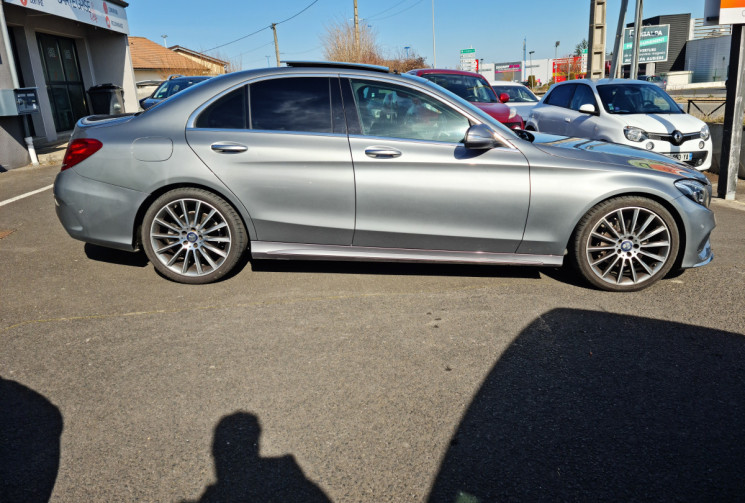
{"points": [[382, 152], [567, 119], [228, 148]]}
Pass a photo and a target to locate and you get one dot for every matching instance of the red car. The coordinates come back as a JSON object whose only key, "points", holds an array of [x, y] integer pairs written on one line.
{"points": [[475, 88]]}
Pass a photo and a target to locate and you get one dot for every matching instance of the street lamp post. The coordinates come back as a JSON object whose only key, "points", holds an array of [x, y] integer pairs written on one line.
{"points": [[556, 50], [531, 69]]}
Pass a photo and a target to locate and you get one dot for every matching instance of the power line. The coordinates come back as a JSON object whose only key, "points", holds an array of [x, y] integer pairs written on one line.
{"points": [[386, 10], [262, 29], [401, 11]]}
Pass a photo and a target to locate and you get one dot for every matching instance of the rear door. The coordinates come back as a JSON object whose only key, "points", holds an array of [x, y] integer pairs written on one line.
{"points": [[280, 145], [555, 117]]}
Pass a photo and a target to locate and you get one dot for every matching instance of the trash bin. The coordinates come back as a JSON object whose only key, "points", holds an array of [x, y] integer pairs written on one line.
{"points": [[106, 99]]}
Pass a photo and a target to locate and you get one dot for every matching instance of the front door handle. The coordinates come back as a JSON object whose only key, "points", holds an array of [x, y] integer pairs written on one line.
{"points": [[382, 152], [567, 119], [228, 148]]}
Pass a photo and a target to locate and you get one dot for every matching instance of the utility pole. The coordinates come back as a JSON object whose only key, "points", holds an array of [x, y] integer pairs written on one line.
{"points": [[637, 39], [615, 69], [733, 113], [276, 46], [434, 50], [356, 32], [596, 41]]}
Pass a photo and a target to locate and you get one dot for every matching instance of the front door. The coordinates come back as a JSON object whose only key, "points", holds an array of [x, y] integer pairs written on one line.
{"points": [[64, 81], [418, 187]]}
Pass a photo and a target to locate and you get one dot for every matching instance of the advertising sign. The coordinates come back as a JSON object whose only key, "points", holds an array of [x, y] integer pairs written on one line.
{"points": [[732, 12], [95, 12], [652, 44]]}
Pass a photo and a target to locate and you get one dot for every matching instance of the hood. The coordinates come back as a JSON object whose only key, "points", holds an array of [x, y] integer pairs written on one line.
{"points": [[661, 123], [622, 156], [499, 111]]}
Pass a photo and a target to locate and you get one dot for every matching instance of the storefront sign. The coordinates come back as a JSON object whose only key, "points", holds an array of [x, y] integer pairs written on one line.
{"points": [[652, 44], [95, 12], [732, 12]]}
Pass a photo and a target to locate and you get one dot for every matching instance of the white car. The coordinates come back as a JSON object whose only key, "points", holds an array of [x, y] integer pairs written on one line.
{"points": [[521, 98], [630, 112]]}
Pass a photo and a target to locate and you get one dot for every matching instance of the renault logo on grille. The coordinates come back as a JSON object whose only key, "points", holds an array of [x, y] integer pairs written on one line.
{"points": [[677, 137]]}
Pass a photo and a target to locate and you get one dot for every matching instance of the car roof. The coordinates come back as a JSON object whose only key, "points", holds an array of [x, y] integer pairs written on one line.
{"points": [[601, 82], [427, 71], [337, 64]]}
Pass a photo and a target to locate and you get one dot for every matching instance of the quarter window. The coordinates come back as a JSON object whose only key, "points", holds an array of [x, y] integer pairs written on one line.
{"points": [[228, 112], [393, 111]]}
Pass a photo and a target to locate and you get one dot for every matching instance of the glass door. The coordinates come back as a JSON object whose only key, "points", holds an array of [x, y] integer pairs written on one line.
{"points": [[64, 81]]}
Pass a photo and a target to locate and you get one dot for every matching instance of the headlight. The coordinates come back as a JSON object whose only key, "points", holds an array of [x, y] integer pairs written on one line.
{"points": [[513, 112], [634, 133], [705, 132], [695, 191]]}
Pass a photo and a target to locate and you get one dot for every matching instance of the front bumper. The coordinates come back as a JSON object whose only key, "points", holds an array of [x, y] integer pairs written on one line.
{"points": [[700, 157], [97, 212], [698, 222]]}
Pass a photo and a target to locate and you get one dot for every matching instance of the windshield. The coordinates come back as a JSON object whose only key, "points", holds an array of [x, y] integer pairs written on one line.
{"points": [[473, 89], [636, 99], [517, 94]]}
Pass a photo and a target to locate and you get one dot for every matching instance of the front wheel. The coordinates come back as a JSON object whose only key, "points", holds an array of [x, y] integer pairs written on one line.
{"points": [[625, 244], [193, 236]]}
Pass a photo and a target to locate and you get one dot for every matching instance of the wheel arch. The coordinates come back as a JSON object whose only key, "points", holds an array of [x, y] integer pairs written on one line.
{"points": [[665, 203], [224, 194]]}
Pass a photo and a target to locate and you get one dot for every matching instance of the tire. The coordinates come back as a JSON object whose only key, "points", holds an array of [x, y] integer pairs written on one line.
{"points": [[200, 248], [625, 244]]}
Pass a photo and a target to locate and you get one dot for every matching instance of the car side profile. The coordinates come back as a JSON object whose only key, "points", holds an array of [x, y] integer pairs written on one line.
{"points": [[630, 112], [334, 161]]}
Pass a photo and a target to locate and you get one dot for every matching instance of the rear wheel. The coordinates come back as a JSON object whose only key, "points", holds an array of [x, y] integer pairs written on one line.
{"points": [[625, 244], [193, 236]]}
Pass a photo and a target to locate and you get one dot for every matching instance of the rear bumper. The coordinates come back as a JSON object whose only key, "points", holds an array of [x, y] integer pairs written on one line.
{"points": [[96, 212]]}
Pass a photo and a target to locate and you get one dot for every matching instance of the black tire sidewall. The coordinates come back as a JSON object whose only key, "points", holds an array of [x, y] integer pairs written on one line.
{"points": [[578, 250], [239, 239]]}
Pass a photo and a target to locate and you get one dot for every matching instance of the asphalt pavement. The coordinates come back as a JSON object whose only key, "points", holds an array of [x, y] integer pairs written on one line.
{"points": [[293, 381]]}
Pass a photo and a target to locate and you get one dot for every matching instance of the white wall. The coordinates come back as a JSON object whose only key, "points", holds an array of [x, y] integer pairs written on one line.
{"points": [[708, 58]]}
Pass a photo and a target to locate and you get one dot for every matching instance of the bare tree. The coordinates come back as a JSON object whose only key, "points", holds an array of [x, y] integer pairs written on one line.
{"points": [[339, 44]]}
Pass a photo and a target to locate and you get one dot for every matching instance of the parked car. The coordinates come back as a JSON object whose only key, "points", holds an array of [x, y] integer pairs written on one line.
{"points": [[654, 79], [631, 112], [474, 88], [169, 87], [311, 161], [518, 96]]}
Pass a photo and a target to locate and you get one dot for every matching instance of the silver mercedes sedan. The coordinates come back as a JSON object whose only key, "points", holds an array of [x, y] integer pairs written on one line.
{"points": [[334, 161]]}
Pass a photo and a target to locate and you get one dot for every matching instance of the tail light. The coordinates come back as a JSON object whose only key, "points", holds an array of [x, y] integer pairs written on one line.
{"points": [[79, 150]]}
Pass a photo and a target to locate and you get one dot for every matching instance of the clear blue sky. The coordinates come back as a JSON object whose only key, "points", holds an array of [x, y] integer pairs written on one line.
{"points": [[495, 28]]}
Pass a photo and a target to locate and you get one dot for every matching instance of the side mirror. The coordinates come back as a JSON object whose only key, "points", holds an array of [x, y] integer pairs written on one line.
{"points": [[504, 97], [480, 137], [588, 108]]}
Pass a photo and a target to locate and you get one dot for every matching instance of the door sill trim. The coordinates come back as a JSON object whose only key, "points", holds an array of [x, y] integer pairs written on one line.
{"points": [[302, 251]]}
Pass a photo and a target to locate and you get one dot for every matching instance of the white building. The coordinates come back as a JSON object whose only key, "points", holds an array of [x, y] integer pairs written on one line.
{"points": [[62, 49]]}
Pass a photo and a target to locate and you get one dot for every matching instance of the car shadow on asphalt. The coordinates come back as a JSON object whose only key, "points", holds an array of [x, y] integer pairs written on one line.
{"points": [[30, 432], [593, 406], [394, 269], [243, 475], [113, 256]]}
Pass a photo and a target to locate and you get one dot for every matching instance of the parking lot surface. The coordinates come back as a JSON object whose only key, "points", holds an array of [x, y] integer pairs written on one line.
{"points": [[294, 381]]}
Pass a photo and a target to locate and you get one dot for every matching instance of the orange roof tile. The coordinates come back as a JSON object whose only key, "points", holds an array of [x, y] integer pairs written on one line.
{"points": [[147, 55]]}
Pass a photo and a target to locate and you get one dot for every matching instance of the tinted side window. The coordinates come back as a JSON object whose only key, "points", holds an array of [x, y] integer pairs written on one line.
{"points": [[582, 96], [394, 111], [291, 104], [229, 112], [560, 96]]}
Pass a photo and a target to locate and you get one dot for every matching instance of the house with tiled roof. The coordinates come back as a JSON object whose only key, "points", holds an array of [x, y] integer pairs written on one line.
{"points": [[217, 66], [152, 61]]}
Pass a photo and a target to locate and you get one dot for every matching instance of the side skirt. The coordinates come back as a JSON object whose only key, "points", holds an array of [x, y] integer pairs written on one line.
{"points": [[299, 251]]}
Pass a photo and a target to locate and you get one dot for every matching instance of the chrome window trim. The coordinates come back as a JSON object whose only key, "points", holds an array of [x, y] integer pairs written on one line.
{"points": [[190, 123], [271, 131], [454, 106]]}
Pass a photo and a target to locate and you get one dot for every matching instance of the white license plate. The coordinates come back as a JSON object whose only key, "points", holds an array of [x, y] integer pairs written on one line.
{"points": [[687, 156]]}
